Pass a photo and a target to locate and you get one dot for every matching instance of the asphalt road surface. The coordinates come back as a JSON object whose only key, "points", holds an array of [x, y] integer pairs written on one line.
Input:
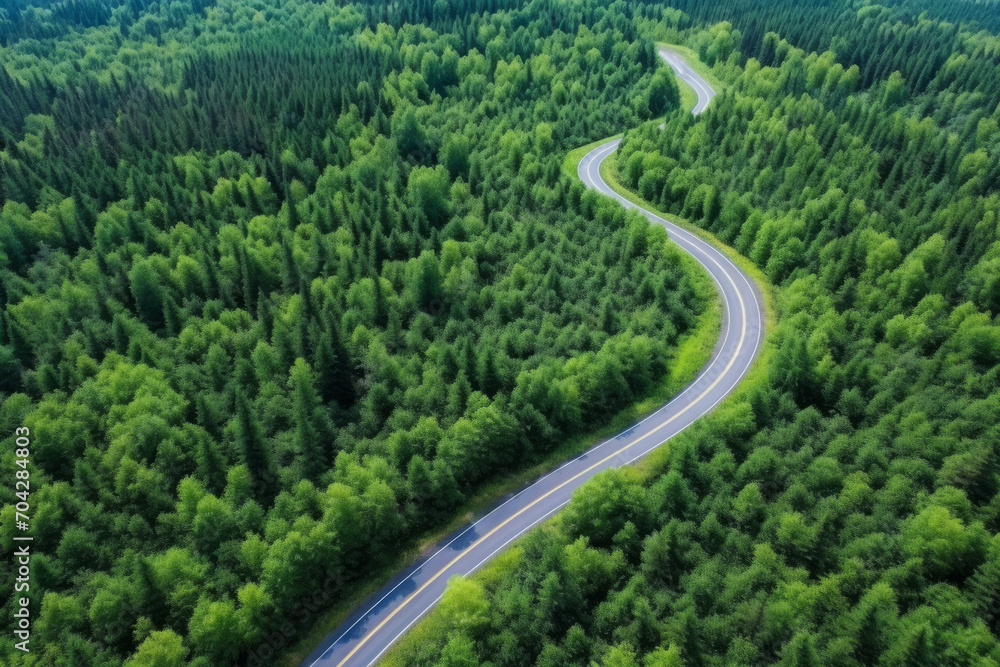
{"points": [[382, 619], [689, 76]]}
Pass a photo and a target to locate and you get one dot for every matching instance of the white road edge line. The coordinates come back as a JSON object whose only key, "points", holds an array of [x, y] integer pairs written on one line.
{"points": [[693, 244], [478, 565], [576, 458]]}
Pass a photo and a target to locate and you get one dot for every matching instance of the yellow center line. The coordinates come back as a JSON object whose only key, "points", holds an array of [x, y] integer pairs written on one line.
{"points": [[465, 552]]}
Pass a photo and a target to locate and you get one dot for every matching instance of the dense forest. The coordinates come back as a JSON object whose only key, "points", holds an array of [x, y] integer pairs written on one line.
{"points": [[844, 508], [283, 283]]}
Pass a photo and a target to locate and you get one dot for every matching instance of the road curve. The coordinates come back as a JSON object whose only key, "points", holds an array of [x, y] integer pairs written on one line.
{"points": [[382, 619], [704, 91]]}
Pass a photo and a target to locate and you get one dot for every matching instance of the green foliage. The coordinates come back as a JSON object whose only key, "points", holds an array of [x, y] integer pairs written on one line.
{"points": [[281, 285], [843, 508], [161, 649]]}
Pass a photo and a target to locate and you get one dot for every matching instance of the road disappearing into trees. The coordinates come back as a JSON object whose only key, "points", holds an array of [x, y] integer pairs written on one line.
{"points": [[365, 636]]}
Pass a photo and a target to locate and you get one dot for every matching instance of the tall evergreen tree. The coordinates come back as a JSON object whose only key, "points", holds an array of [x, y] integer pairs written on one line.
{"points": [[253, 448]]}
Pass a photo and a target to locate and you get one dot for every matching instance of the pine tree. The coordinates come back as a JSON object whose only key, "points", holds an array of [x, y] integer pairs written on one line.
{"points": [[249, 271], [458, 395], [253, 448], [801, 652], [918, 649], [148, 294], [488, 375], [305, 408], [446, 492], [985, 588], [290, 277], [419, 480], [211, 465], [333, 368]]}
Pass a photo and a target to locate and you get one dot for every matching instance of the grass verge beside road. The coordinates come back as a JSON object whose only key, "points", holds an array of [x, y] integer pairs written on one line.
{"points": [[572, 159], [695, 63], [435, 625], [690, 354]]}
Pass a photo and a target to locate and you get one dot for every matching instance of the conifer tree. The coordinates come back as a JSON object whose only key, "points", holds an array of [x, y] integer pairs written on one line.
{"points": [[253, 448], [306, 408]]}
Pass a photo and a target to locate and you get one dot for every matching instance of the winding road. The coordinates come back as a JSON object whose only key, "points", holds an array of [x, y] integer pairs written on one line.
{"points": [[382, 619], [704, 91]]}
